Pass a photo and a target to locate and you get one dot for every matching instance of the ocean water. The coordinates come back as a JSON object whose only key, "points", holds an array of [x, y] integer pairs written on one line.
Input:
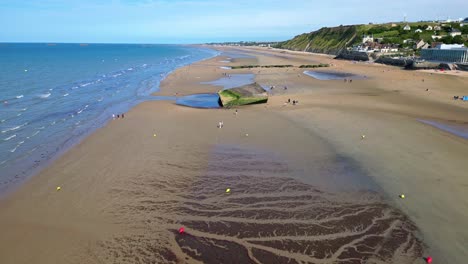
{"points": [[51, 96]]}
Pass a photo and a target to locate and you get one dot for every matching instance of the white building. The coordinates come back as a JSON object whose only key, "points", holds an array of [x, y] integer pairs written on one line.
{"points": [[407, 27], [367, 38], [418, 31], [421, 44], [446, 53], [429, 28], [450, 46], [455, 32], [434, 37]]}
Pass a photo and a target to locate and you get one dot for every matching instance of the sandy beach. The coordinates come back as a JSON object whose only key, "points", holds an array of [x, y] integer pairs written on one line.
{"points": [[316, 182]]}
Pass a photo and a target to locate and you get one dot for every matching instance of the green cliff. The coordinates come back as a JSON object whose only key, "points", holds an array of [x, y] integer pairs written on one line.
{"points": [[325, 40]]}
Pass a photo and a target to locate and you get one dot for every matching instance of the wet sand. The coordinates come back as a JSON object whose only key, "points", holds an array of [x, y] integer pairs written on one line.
{"points": [[305, 187]]}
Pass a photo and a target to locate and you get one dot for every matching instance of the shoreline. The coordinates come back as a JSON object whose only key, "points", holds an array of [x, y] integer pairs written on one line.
{"points": [[317, 144], [25, 175]]}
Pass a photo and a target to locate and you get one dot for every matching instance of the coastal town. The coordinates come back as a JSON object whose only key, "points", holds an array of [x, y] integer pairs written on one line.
{"points": [[420, 45]]}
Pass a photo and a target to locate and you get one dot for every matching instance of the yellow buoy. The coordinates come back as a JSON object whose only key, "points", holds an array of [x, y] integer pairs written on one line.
{"points": [[59, 188], [402, 196], [228, 190], [154, 135], [363, 136]]}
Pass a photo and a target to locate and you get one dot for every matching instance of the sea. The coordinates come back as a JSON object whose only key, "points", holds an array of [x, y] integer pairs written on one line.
{"points": [[54, 95]]}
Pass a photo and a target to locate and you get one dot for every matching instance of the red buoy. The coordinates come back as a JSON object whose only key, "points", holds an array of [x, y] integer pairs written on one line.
{"points": [[429, 259], [181, 230]]}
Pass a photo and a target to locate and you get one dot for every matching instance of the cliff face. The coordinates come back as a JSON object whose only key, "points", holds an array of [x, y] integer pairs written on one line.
{"points": [[325, 40]]}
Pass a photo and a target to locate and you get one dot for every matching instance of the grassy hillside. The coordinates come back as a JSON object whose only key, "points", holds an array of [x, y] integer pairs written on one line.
{"points": [[325, 40], [333, 40]]}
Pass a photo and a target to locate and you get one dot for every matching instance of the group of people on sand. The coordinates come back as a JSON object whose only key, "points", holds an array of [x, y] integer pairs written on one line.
{"points": [[294, 102], [348, 80], [118, 116], [227, 75]]}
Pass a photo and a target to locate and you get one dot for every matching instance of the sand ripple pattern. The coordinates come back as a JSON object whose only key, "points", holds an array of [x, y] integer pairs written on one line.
{"points": [[266, 218]]}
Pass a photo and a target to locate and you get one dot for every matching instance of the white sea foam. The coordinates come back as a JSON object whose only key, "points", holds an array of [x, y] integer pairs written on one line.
{"points": [[86, 84], [35, 133], [79, 111], [13, 150], [3, 162], [19, 114], [20, 143], [19, 96], [10, 137], [14, 128], [53, 123], [74, 87], [130, 69], [100, 99], [66, 94], [24, 109], [44, 96]]}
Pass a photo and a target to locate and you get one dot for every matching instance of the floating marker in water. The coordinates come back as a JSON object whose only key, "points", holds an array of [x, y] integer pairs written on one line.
{"points": [[246, 135], [154, 135], [181, 230], [228, 190], [59, 188], [402, 196], [429, 259], [363, 136], [25, 70]]}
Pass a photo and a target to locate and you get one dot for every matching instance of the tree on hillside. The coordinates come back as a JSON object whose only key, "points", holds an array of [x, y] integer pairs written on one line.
{"points": [[447, 39], [464, 30], [457, 40]]}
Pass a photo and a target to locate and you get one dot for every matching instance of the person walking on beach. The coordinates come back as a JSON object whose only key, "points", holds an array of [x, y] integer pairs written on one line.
{"points": [[123, 115]]}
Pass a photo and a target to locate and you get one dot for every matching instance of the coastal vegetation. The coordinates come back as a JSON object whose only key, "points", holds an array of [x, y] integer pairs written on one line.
{"points": [[325, 40], [332, 40]]}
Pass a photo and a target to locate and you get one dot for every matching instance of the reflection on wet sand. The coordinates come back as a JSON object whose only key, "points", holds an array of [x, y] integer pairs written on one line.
{"points": [[267, 217]]}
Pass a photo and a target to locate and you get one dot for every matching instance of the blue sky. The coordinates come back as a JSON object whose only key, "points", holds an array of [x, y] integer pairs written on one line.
{"points": [[193, 21]]}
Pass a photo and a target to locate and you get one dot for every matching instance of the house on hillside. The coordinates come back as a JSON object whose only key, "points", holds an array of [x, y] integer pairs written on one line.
{"points": [[437, 28], [367, 38], [435, 44], [418, 31], [394, 25], [455, 32], [434, 37], [389, 48], [407, 27], [408, 41], [429, 28], [421, 44]]}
